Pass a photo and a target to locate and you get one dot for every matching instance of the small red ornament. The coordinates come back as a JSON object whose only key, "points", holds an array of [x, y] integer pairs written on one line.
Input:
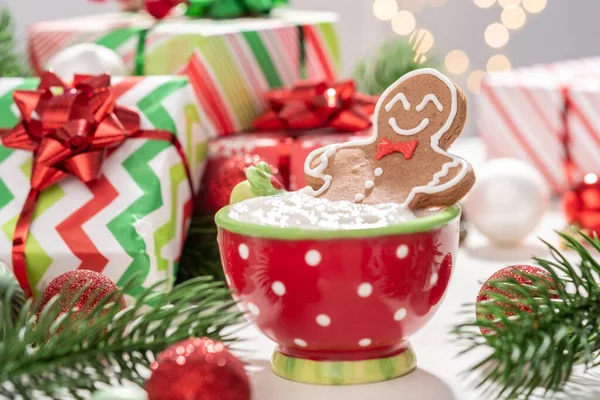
{"points": [[100, 287], [198, 369], [223, 175], [160, 8], [581, 205], [515, 273]]}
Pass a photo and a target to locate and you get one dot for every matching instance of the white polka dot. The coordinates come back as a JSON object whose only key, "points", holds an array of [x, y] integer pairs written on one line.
{"points": [[369, 184], [434, 278], [400, 314], [278, 288], [243, 250], [364, 342], [359, 197], [300, 342], [253, 308], [378, 172], [312, 258], [402, 251], [323, 320], [365, 289]]}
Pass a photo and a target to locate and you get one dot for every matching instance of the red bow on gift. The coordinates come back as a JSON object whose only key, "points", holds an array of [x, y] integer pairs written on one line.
{"points": [[387, 147], [69, 129], [311, 106]]}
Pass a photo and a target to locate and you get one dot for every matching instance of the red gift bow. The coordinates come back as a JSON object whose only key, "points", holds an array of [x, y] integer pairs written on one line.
{"points": [[311, 106], [69, 129], [387, 147]]}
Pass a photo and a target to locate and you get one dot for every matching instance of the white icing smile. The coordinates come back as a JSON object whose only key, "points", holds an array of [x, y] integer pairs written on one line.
{"points": [[408, 132]]}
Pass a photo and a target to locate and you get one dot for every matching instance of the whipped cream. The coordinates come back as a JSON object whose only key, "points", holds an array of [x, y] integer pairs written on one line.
{"points": [[297, 210]]}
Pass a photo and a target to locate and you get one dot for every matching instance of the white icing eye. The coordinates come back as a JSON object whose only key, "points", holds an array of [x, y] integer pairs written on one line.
{"points": [[430, 98], [400, 97]]}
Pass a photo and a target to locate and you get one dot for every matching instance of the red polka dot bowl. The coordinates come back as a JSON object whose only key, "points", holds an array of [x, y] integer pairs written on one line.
{"points": [[340, 304]]}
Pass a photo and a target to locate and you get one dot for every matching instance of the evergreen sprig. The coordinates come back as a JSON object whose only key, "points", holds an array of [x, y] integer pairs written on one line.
{"points": [[56, 355], [201, 251], [540, 331], [11, 63]]}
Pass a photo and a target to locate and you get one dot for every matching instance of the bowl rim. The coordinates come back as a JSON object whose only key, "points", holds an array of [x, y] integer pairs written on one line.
{"points": [[418, 225]]}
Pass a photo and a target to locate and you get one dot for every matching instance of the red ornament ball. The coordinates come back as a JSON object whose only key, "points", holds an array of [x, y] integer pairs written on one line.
{"points": [[223, 175], [100, 287], [198, 369], [160, 8], [505, 273], [581, 205]]}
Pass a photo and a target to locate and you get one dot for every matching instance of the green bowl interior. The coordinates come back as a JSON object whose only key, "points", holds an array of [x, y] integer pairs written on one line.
{"points": [[422, 224]]}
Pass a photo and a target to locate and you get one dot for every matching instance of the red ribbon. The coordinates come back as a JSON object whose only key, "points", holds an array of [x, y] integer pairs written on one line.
{"points": [[387, 147], [311, 106], [69, 129]]}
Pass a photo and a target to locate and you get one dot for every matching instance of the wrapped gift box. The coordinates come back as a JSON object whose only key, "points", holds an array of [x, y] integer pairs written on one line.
{"points": [[545, 115], [233, 62], [134, 218]]}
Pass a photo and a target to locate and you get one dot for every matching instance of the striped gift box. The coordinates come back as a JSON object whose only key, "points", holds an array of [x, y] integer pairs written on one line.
{"points": [[133, 219], [231, 63], [536, 115]]}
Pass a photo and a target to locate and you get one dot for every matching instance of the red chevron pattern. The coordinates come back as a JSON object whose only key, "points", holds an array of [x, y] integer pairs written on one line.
{"points": [[71, 229]]}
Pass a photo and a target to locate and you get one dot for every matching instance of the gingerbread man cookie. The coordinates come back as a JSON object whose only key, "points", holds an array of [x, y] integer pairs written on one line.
{"points": [[406, 159]]}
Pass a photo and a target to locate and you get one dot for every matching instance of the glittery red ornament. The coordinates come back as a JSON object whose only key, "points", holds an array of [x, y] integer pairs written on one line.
{"points": [[581, 205], [223, 175], [198, 369], [510, 272], [100, 287]]}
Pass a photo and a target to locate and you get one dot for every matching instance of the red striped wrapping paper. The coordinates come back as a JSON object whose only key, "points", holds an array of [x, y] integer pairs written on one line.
{"points": [[544, 115]]}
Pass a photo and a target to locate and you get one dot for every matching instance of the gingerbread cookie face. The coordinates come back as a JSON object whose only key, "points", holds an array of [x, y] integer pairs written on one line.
{"points": [[406, 160]]}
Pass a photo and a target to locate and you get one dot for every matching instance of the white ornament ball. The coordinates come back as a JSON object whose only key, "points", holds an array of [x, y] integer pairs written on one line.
{"points": [[508, 201], [87, 59]]}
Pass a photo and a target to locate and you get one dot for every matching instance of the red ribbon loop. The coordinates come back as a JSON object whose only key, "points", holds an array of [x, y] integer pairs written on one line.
{"points": [[321, 105], [69, 129]]}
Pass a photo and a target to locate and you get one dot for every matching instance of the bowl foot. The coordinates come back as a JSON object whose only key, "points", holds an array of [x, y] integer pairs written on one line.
{"points": [[343, 372]]}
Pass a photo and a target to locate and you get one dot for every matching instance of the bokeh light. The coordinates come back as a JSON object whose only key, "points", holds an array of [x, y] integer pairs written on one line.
{"points": [[496, 35], [534, 6], [385, 9], [404, 23], [484, 3], [413, 6], [422, 40], [498, 62], [457, 61], [513, 17], [474, 81]]}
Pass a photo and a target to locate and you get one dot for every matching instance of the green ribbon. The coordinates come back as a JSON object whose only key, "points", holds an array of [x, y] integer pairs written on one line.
{"points": [[141, 50], [223, 9]]}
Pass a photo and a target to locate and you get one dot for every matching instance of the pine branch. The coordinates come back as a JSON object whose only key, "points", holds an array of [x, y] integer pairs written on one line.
{"points": [[536, 340], [11, 63], [54, 354]]}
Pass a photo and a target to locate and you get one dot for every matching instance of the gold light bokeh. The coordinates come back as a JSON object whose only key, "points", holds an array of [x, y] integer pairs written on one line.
{"points": [[385, 9], [404, 22], [513, 17], [457, 61], [422, 40], [499, 62], [474, 81], [509, 3], [484, 3], [496, 35], [534, 6]]}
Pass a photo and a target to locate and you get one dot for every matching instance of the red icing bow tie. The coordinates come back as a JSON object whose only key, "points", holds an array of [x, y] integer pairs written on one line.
{"points": [[69, 128], [311, 106], [387, 147]]}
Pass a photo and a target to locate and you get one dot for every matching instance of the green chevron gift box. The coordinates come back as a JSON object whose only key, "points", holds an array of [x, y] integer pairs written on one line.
{"points": [[232, 63], [97, 175]]}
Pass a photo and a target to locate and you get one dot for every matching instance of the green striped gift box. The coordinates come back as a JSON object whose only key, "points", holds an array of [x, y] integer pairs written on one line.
{"points": [[133, 219], [231, 63]]}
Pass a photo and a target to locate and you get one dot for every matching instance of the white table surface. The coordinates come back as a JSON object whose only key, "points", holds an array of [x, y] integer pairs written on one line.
{"points": [[438, 374]]}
